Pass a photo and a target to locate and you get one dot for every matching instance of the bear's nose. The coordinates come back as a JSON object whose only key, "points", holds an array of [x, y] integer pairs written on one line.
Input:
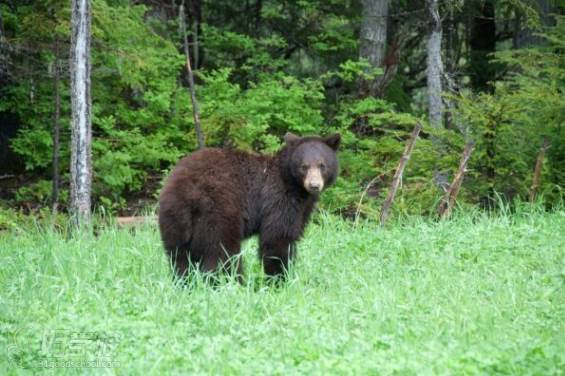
{"points": [[314, 187]]}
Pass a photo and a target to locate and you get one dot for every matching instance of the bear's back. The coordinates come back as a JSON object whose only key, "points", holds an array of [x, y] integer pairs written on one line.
{"points": [[214, 176], [220, 166]]}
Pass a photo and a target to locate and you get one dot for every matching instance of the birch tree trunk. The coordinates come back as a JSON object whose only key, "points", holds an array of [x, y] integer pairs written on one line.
{"points": [[373, 36], [373, 31], [435, 66], [81, 168]]}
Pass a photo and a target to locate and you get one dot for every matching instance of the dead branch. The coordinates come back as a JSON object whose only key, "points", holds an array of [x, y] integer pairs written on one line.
{"points": [[448, 200], [358, 211], [537, 170], [399, 171]]}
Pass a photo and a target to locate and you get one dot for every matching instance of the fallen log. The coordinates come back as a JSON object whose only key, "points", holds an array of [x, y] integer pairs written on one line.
{"points": [[135, 221]]}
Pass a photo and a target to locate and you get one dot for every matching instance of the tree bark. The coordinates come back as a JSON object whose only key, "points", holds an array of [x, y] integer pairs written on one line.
{"points": [[56, 128], [373, 37], [450, 197], [537, 171], [434, 66], [81, 164], [399, 171], [192, 88]]}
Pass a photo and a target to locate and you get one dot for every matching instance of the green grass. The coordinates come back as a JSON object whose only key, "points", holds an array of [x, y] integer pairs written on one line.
{"points": [[472, 295]]}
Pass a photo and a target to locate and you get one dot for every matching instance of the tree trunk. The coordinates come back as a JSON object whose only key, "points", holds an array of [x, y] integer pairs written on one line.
{"points": [[3, 58], [452, 58], [373, 38], [81, 169], [1, 26], [258, 9], [451, 195], [195, 44], [524, 36], [195, 13], [56, 128], [434, 66], [537, 171], [452, 40], [399, 171], [192, 88], [482, 44]]}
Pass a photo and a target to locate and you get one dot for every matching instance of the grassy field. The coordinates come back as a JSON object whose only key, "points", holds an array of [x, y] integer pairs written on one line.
{"points": [[473, 295]]}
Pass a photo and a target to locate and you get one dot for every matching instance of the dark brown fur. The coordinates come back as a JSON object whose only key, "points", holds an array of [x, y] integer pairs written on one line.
{"points": [[215, 198]]}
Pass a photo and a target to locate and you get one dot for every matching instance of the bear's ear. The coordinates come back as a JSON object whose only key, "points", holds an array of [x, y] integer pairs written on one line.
{"points": [[333, 141], [290, 138]]}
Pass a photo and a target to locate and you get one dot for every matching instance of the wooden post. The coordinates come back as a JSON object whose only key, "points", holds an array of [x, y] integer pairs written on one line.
{"points": [[192, 88], [537, 170], [450, 197], [399, 171]]}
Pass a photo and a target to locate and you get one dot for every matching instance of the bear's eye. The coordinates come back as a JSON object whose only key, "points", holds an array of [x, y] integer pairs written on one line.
{"points": [[304, 168], [322, 167]]}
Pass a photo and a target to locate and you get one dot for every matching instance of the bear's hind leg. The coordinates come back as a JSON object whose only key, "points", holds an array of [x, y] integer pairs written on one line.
{"points": [[217, 249]]}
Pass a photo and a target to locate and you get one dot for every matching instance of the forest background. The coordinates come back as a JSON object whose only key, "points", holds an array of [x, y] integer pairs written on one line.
{"points": [[489, 72]]}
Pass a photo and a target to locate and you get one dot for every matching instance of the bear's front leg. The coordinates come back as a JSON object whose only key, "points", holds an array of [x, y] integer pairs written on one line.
{"points": [[276, 254]]}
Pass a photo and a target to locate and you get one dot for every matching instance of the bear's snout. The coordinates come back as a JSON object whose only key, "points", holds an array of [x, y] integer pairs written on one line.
{"points": [[314, 181]]}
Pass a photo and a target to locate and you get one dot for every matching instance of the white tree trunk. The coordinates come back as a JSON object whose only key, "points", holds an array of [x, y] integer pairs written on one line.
{"points": [[373, 34], [373, 31], [435, 66], [81, 169]]}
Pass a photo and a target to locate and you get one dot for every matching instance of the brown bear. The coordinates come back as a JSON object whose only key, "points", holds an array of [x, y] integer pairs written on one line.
{"points": [[215, 198]]}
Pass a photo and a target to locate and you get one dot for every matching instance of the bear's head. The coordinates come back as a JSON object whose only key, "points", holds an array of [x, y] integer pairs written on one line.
{"points": [[311, 161]]}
